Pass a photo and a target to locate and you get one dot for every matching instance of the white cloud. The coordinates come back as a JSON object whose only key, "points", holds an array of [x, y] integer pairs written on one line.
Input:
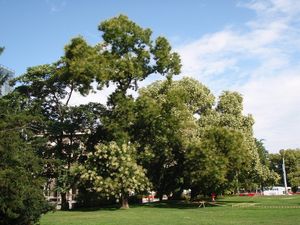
{"points": [[274, 103], [56, 5], [98, 96], [259, 60]]}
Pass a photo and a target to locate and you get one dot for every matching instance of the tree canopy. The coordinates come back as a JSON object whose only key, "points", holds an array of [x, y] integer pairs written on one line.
{"points": [[174, 135]]}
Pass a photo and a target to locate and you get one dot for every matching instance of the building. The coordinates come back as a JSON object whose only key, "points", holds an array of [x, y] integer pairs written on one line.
{"points": [[6, 88]]}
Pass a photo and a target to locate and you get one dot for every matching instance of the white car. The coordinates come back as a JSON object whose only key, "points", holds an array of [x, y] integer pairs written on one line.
{"points": [[276, 191]]}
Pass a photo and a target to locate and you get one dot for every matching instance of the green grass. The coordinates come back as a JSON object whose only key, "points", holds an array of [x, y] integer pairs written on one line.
{"points": [[233, 210]]}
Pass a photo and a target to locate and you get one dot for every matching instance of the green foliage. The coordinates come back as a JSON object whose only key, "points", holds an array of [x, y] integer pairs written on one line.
{"points": [[130, 50], [292, 161], [268, 176], [164, 127], [21, 193], [180, 136], [292, 166], [228, 115], [262, 152], [50, 88], [230, 102], [81, 65], [216, 161], [130, 56], [112, 171]]}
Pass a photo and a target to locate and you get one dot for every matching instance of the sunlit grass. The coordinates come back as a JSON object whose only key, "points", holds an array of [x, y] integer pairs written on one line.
{"points": [[233, 210]]}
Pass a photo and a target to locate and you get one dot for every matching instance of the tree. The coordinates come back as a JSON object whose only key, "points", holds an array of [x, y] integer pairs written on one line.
{"points": [[215, 161], [131, 56], [164, 126], [292, 166], [228, 115], [268, 176], [21, 194], [112, 171], [50, 87]]}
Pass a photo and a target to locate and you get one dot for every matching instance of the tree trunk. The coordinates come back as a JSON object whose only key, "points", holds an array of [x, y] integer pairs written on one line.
{"points": [[64, 202], [160, 196], [194, 193], [177, 195], [124, 202]]}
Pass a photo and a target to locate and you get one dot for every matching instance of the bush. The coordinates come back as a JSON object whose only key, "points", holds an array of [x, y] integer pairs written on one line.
{"points": [[21, 202], [21, 187]]}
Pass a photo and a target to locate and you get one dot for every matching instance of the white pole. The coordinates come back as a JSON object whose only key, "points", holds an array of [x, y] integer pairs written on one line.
{"points": [[284, 176]]}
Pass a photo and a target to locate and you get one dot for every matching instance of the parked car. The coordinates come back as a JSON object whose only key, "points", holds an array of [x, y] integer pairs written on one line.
{"points": [[276, 190]]}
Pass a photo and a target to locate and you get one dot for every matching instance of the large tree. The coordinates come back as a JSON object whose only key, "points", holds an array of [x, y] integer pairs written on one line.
{"points": [[165, 125], [51, 87], [228, 115], [214, 161], [131, 56]]}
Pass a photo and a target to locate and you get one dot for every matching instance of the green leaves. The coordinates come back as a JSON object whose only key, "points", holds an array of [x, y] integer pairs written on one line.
{"points": [[124, 35], [214, 161], [21, 193], [112, 171], [292, 166], [167, 63], [174, 129], [131, 56], [81, 65]]}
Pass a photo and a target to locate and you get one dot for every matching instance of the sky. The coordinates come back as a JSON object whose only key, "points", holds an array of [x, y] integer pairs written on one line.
{"points": [[249, 46]]}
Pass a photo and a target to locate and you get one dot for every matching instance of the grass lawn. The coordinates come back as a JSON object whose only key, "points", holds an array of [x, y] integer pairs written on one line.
{"points": [[230, 210]]}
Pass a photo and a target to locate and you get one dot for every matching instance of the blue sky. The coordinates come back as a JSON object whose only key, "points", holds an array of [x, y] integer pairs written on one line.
{"points": [[251, 46]]}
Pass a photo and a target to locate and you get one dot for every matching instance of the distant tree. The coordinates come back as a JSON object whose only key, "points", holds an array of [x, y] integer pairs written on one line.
{"points": [[292, 166], [275, 161], [112, 171], [262, 152], [268, 176]]}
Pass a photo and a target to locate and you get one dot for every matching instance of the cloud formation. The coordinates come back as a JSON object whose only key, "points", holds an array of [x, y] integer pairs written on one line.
{"points": [[260, 60], [56, 5]]}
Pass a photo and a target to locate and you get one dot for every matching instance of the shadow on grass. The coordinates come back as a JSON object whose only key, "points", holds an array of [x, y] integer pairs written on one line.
{"points": [[92, 209], [172, 204], [178, 204], [228, 202], [162, 204]]}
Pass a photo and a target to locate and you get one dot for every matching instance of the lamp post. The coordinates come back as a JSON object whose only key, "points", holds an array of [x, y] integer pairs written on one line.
{"points": [[284, 176]]}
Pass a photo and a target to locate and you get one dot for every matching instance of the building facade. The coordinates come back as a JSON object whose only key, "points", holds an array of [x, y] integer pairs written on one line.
{"points": [[6, 88]]}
